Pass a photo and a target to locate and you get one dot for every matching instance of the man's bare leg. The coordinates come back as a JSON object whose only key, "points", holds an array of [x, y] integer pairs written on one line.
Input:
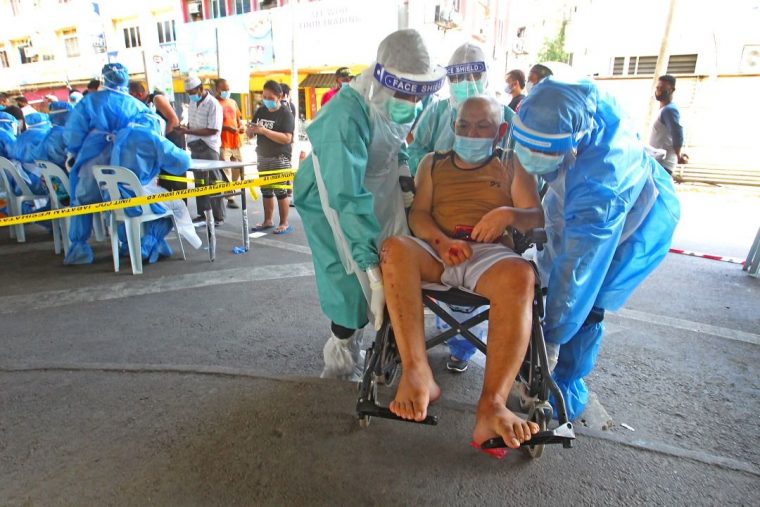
{"points": [[508, 285], [405, 264], [269, 203]]}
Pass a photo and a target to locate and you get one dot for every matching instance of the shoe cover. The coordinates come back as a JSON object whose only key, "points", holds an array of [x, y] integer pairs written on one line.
{"points": [[344, 359], [79, 253]]}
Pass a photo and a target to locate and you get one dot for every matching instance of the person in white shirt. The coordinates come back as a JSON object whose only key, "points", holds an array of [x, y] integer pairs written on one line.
{"points": [[24, 105], [204, 138]]}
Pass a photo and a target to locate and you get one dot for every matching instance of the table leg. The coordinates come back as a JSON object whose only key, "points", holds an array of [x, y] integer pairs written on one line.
{"points": [[211, 230], [244, 211]]}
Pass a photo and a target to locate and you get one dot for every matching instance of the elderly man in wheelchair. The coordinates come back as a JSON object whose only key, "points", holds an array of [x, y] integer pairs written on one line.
{"points": [[466, 202]]}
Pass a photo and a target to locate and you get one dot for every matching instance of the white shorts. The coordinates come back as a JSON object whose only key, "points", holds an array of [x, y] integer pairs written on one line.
{"points": [[466, 275]]}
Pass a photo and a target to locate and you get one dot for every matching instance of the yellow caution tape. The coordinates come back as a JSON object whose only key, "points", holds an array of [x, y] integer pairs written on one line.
{"points": [[280, 186], [99, 207], [168, 177]]}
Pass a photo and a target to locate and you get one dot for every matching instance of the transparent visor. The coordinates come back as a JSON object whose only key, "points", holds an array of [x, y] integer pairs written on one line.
{"points": [[536, 162]]}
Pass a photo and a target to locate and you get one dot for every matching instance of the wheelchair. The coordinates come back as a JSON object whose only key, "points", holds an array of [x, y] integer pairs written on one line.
{"points": [[382, 362]]}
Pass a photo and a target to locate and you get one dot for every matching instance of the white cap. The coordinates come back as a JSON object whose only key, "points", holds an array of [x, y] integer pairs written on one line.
{"points": [[192, 82]]}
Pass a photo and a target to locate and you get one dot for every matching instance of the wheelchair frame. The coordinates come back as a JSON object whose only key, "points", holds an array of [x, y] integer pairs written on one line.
{"points": [[382, 364]]}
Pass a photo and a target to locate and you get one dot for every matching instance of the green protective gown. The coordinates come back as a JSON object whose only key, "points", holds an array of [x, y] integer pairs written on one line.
{"points": [[340, 137]]}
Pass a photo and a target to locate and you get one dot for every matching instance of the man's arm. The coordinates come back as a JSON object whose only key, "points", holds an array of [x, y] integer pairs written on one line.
{"points": [[671, 117], [423, 225], [163, 106], [526, 212]]}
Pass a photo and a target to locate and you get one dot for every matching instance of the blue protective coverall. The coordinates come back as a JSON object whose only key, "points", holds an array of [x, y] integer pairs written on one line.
{"points": [[89, 135], [142, 150], [27, 149], [8, 125], [53, 147], [610, 215]]}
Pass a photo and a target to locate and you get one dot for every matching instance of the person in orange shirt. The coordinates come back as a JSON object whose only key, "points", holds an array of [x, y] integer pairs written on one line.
{"points": [[232, 127]]}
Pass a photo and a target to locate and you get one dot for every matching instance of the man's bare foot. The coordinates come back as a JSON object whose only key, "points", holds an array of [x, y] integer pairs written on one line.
{"points": [[416, 390], [493, 419]]}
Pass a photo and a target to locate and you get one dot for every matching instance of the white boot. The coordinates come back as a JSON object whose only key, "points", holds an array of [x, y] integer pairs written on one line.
{"points": [[344, 359]]}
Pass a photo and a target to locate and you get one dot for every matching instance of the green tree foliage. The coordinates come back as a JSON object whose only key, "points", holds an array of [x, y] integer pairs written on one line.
{"points": [[554, 50]]}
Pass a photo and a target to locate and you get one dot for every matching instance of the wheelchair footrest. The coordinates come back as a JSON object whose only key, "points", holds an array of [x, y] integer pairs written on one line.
{"points": [[562, 434], [369, 408]]}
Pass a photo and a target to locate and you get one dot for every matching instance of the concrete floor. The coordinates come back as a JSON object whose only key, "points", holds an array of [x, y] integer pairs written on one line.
{"points": [[195, 384]]}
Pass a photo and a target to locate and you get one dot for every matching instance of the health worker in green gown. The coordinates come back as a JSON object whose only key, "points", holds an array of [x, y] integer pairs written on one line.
{"points": [[347, 190]]}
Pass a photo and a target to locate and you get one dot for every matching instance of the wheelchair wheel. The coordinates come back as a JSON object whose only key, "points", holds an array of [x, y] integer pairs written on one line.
{"points": [[538, 416]]}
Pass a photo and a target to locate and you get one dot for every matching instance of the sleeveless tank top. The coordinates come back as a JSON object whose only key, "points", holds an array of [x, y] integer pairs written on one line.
{"points": [[462, 196]]}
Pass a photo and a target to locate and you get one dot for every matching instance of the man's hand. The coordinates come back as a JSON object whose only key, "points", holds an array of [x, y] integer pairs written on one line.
{"points": [[377, 297], [258, 129], [453, 251], [492, 226], [227, 128], [683, 158], [181, 129]]}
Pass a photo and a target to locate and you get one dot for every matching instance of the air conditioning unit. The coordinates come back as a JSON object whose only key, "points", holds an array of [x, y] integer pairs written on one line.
{"points": [[750, 62], [194, 8], [30, 51]]}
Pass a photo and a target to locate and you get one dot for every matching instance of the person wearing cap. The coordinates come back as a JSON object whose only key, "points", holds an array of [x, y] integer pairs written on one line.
{"points": [[204, 138], [468, 76], [610, 213], [89, 134], [342, 78], [348, 194], [53, 147]]}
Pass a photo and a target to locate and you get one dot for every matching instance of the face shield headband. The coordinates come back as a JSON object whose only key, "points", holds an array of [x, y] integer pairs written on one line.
{"points": [[404, 85], [549, 143], [39, 124], [466, 68]]}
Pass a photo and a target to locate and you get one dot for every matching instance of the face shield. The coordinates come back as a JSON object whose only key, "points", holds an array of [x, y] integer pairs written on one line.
{"points": [[467, 72], [401, 76], [404, 104]]}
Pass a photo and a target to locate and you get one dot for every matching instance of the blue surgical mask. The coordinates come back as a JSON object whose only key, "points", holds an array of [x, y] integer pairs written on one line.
{"points": [[270, 104], [463, 90], [195, 98], [473, 149], [224, 95], [536, 162], [402, 111]]}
